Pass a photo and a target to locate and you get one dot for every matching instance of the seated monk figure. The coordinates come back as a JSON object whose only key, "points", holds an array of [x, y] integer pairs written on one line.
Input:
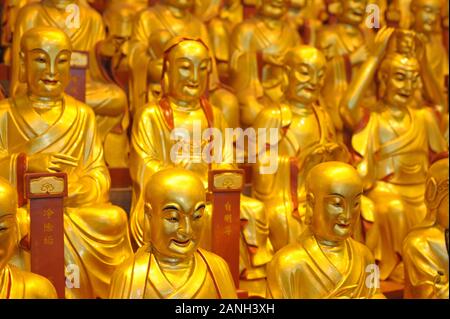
{"points": [[306, 137], [185, 119], [324, 261], [257, 48], [345, 44], [59, 134], [425, 249], [155, 26], [395, 146], [16, 283], [171, 265], [85, 30]]}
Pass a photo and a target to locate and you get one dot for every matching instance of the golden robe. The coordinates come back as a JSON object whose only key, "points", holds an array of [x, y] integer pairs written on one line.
{"points": [[301, 270], [141, 277], [95, 232], [151, 147], [394, 174], [18, 284], [426, 264], [108, 101]]}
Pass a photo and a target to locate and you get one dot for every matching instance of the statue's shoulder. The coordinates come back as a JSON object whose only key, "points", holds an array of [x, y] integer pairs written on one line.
{"points": [[214, 261], [245, 28], [149, 110], [81, 107], [36, 286], [273, 116], [31, 9], [417, 239], [290, 258]]}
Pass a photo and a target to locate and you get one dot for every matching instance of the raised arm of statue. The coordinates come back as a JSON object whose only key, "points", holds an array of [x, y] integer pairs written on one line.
{"points": [[350, 105]]}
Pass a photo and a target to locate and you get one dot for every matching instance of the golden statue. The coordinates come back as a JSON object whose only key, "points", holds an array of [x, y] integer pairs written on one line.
{"points": [[308, 16], [425, 249], [9, 15], [59, 134], [395, 145], [155, 26], [220, 17], [171, 265], [16, 283], [427, 19], [85, 30], [162, 131], [306, 138], [345, 44], [257, 49], [324, 261]]}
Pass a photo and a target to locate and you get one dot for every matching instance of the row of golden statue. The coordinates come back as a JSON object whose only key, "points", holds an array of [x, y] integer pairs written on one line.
{"points": [[361, 188]]}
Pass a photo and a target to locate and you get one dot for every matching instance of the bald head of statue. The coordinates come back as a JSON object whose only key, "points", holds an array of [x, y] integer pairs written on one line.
{"points": [[334, 191], [45, 55], [175, 202], [8, 223]]}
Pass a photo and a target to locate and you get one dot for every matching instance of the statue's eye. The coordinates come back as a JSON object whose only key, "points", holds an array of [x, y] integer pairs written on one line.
{"points": [[3, 228], [172, 219], [40, 60]]}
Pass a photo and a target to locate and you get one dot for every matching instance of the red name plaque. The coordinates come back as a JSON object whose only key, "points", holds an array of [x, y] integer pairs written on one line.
{"points": [[46, 194], [225, 187]]}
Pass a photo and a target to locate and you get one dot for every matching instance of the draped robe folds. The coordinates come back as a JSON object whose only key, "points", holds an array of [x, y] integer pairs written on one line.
{"points": [[284, 224], [95, 232], [248, 40], [108, 101], [301, 270], [426, 264], [394, 174], [18, 284], [151, 147], [141, 277]]}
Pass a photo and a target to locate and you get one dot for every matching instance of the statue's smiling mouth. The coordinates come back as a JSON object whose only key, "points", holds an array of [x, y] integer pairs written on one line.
{"points": [[181, 243], [344, 225], [50, 82]]}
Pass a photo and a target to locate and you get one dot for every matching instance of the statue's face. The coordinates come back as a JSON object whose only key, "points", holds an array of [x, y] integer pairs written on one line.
{"points": [[306, 78], [337, 205], [353, 11], [182, 4], [188, 69], [8, 230], [47, 68], [401, 83], [274, 8], [177, 218], [426, 15]]}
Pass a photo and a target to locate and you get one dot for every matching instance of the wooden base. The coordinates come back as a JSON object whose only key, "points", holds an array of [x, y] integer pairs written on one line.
{"points": [[392, 289], [242, 294]]}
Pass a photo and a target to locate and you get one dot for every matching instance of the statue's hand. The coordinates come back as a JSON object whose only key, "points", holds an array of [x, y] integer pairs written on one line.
{"points": [[52, 163], [381, 41], [38, 163], [360, 55]]}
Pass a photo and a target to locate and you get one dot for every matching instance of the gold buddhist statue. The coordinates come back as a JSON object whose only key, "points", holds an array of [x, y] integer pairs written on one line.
{"points": [[345, 44], [257, 49], [16, 283], [108, 101], [306, 138], [59, 134], [395, 145], [324, 261], [425, 249], [162, 130], [152, 29], [171, 265]]}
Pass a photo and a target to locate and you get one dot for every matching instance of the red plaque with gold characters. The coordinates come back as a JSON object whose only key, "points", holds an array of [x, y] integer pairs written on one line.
{"points": [[78, 65], [46, 194], [225, 187]]}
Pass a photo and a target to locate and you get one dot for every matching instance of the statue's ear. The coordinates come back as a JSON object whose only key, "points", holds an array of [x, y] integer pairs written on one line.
{"points": [[431, 191], [335, 8], [310, 202], [22, 72], [148, 210]]}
